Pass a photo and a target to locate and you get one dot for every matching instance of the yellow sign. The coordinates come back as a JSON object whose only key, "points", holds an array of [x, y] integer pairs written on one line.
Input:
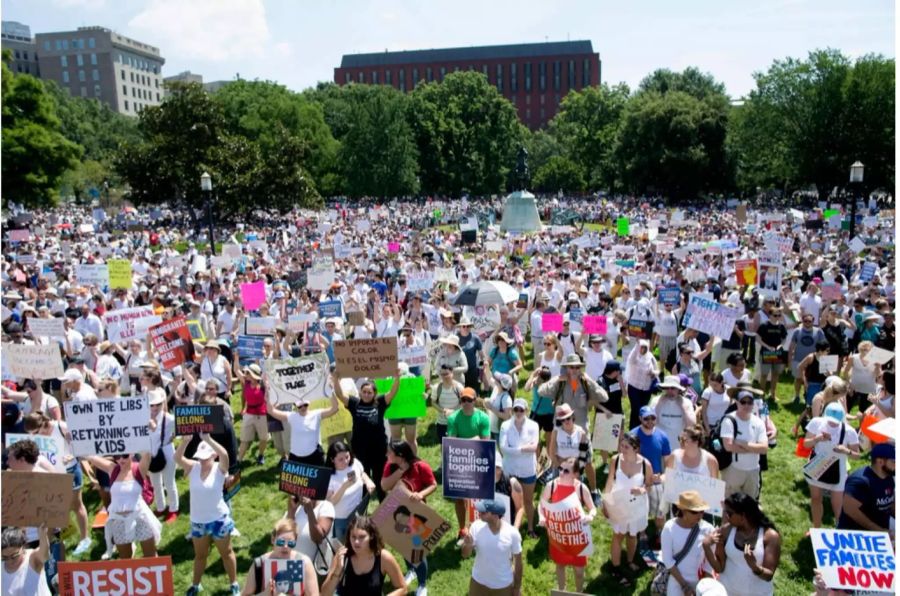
{"points": [[340, 423], [119, 274]]}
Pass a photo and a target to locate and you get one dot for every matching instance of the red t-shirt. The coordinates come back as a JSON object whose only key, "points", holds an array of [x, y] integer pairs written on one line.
{"points": [[417, 478], [255, 398]]}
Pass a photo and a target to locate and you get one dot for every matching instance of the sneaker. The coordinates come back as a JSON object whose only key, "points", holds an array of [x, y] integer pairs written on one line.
{"points": [[410, 577], [261, 461], [171, 517], [235, 533], [421, 591], [82, 547], [108, 554], [235, 589], [194, 590]]}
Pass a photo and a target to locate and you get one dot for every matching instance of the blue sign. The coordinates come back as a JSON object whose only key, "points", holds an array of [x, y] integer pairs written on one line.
{"points": [[670, 296], [468, 468], [250, 348], [869, 269], [331, 308]]}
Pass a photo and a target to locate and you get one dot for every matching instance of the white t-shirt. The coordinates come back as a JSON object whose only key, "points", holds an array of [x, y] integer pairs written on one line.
{"points": [[673, 540], [84, 393], [820, 424], [499, 400], [305, 544], [352, 496], [494, 554], [304, 432], [716, 404], [749, 431], [207, 501]]}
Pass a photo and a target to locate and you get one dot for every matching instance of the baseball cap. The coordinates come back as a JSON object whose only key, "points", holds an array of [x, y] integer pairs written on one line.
{"points": [[520, 403], [647, 411], [71, 375], [468, 392], [204, 451], [835, 411], [490, 506]]}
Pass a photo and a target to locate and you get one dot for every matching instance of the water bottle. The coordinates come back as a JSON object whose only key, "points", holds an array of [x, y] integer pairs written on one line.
{"points": [[717, 445]]}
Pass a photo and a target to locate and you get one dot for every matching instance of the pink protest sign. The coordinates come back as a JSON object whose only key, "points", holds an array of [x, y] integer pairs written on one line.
{"points": [[552, 321], [594, 324], [19, 235], [253, 295], [393, 247]]}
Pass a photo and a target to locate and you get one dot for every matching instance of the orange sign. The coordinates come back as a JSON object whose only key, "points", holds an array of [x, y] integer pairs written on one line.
{"points": [[134, 577], [747, 271]]}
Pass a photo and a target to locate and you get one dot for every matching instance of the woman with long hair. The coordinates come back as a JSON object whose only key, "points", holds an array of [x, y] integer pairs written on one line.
{"points": [[862, 374], [746, 550], [284, 539], [348, 486], [360, 567]]}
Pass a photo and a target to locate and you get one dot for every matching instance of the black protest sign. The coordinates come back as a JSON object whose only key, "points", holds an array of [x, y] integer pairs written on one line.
{"points": [[303, 480], [195, 419]]}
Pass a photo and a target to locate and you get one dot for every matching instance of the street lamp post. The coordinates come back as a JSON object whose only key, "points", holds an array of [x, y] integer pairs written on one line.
{"points": [[856, 180], [206, 187]]}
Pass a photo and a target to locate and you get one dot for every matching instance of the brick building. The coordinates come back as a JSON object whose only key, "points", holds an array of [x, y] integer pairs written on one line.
{"points": [[534, 76], [16, 38]]}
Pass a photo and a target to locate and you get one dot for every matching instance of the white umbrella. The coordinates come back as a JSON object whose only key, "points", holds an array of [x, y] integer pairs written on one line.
{"points": [[483, 293]]}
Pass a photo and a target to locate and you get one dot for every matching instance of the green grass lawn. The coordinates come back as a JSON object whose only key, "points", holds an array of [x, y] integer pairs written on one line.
{"points": [[259, 504]]}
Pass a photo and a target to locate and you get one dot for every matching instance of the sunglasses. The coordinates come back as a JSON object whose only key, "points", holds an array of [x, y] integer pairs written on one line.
{"points": [[563, 470], [467, 400], [651, 418], [301, 406], [518, 409], [283, 542], [746, 402]]}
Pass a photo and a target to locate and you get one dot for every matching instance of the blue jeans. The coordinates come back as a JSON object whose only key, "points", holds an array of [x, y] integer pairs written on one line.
{"points": [[339, 528], [421, 570]]}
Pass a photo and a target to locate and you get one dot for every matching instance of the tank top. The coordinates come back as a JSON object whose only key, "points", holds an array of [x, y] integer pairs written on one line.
{"points": [[701, 469], [125, 495], [214, 370], [68, 455], [24, 581], [503, 492], [737, 577], [862, 379], [566, 444], [365, 584], [812, 372], [255, 398], [551, 363], [623, 480]]}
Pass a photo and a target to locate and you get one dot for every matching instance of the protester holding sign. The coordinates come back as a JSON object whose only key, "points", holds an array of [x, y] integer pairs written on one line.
{"points": [[162, 436], [270, 569], [254, 424], [210, 517], [23, 568], [348, 488], [214, 366], [830, 437]]}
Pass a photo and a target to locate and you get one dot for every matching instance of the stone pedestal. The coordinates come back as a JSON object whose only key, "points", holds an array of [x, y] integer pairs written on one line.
{"points": [[520, 213]]}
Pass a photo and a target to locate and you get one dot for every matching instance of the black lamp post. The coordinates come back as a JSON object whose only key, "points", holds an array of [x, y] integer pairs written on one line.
{"points": [[856, 181], [206, 187]]}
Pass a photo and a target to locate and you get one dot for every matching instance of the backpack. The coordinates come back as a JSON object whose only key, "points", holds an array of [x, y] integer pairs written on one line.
{"points": [[146, 485], [715, 445]]}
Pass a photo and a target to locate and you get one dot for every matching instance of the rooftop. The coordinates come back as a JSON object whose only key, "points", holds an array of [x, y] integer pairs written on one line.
{"points": [[519, 50]]}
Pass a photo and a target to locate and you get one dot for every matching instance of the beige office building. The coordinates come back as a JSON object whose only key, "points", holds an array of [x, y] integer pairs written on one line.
{"points": [[97, 63]]}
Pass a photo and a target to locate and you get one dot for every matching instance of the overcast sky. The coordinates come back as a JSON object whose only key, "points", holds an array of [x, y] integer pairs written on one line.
{"points": [[299, 42]]}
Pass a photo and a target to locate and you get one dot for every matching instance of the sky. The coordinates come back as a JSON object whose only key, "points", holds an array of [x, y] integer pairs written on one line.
{"points": [[298, 43]]}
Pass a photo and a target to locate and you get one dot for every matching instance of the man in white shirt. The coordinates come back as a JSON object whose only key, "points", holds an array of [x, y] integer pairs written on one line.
{"points": [[745, 443], [496, 544], [811, 302], [88, 322], [73, 383]]}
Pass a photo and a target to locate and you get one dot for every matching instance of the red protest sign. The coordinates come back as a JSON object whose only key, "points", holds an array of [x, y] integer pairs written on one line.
{"points": [[139, 577], [172, 341]]}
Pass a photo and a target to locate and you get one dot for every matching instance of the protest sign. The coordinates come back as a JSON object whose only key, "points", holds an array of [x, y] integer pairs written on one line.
{"points": [[417, 281], [770, 273], [35, 498], [747, 272], [286, 575], [253, 295], [670, 296], [304, 480], [447, 274], [485, 320], [298, 322], [339, 424], [831, 291], [708, 316], [522, 302], [623, 507], [221, 261], [19, 235], [232, 251], [52, 327], [622, 226], [565, 531], [119, 274], [92, 275], [250, 349], [607, 432], [195, 330], [86, 228], [640, 329], [880, 355], [260, 325], [493, 246], [741, 213], [363, 225], [855, 560], [711, 489], [148, 576], [828, 365], [410, 399], [126, 324], [551, 321], [868, 271], [172, 341], [857, 245], [594, 324], [33, 361], [357, 318], [413, 356], [51, 447], [109, 426], [780, 244], [468, 466], [359, 358], [819, 464], [292, 379], [393, 247], [201, 418], [411, 527], [331, 308]]}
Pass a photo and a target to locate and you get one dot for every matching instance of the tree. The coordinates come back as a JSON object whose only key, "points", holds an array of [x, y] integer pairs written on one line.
{"points": [[35, 153], [693, 82], [559, 173], [467, 135]]}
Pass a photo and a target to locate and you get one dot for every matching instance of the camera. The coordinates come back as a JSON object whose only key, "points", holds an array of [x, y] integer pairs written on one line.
{"points": [[544, 374]]}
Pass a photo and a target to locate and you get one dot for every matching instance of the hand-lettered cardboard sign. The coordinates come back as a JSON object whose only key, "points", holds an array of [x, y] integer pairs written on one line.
{"points": [[292, 379], [366, 358], [855, 560], [109, 426], [33, 361], [34, 498], [411, 527]]}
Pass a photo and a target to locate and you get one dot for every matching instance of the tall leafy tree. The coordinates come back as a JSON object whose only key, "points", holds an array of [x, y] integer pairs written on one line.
{"points": [[35, 153], [559, 173]]}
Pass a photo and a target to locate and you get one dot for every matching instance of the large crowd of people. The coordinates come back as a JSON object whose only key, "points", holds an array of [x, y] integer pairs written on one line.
{"points": [[818, 321]]}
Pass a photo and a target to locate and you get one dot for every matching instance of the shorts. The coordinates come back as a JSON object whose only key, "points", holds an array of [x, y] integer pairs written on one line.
{"points": [[253, 426], [102, 479], [657, 501], [77, 476], [441, 430], [767, 369], [402, 421], [218, 529], [811, 391], [526, 479], [545, 421]]}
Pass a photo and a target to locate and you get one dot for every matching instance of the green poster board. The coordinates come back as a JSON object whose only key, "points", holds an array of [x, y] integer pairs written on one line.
{"points": [[410, 399], [622, 226]]}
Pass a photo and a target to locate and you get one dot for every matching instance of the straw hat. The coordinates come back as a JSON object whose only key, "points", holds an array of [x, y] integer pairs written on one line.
{"points": [[254, 371], [212, 344], [450, 340], [464, 322], [572, 360], [691, 500], [502, 335], [563, 411], [671, 382], [742, 387]]}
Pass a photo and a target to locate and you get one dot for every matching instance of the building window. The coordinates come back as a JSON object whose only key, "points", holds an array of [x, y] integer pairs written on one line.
{"points": [[132, 76], [65, 44], [91, 43], [95, 74], [586, 73], [18, 55], [157, 83], [123, 75], [557, 67], [64, 61], [387, 78], [157, 96], [528, 113], [81, 76], [97, 90], [126, 105], [134, 92], [443, 72], [19, 67], [346, 78], [374, 77], [455, 69], [528, 77], [415, 77], [527, 100], [124, 89], [570, 83], [25, 55], [514, 77], [65, 76], [84, 92], [360, 77], [429, 74], [500, 78], [401, 79], [46, 46], [542, 76], [58, 45]]}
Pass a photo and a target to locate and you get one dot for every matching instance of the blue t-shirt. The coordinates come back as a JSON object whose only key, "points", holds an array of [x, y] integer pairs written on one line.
{"points": [[503, 363], [876, 497], [654, 447], [380, 287]]}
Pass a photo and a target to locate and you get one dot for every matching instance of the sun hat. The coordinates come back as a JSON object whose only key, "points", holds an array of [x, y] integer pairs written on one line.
{"points": [[572, 360], [742, 387], [450, 340], [563, 411], [157, 396], [502, 335], [464, 322], [691, 500], [212, 344], [254, 371], [204, 451], [671, 382]]}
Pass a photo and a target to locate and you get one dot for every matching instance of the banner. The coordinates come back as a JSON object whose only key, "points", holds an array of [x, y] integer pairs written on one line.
{"points": [[33, 361], [52, 327], [711, 489], [34, 498], [109, 426], [410, 399], [855, 560], [291, 379], [747, 272], [148, 576], [260, 325], [253, 295], [607, 432], [411, 527], [468, 468], [304, 480], [366, 358], [172, 341], [551, 322], [250, 349], [594, 324], [125, 324], [51, 447], [565, 531], [119, 274], [670, 296], [195, 419], [321, 273], [92, 275], [331, 308], [708, 316]]}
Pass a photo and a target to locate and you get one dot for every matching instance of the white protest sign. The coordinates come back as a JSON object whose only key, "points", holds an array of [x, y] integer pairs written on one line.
{"points": [[711, 489], [623, 507], [855, 560], [857, 245], [292, 379], [412, 355], [297, 323], [232, 251], [485, 319], [92, 275], [109, 426], [447, 274], [221, 261], [880, 356], [321, 273], [130, 323], [363, 225], [86, 228], [708, 316], [33, 361], [828, 364], [607, 432], [52, 327], [417, 281], [778, 243], [52, 448], [493, 246], [261, 325]]}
